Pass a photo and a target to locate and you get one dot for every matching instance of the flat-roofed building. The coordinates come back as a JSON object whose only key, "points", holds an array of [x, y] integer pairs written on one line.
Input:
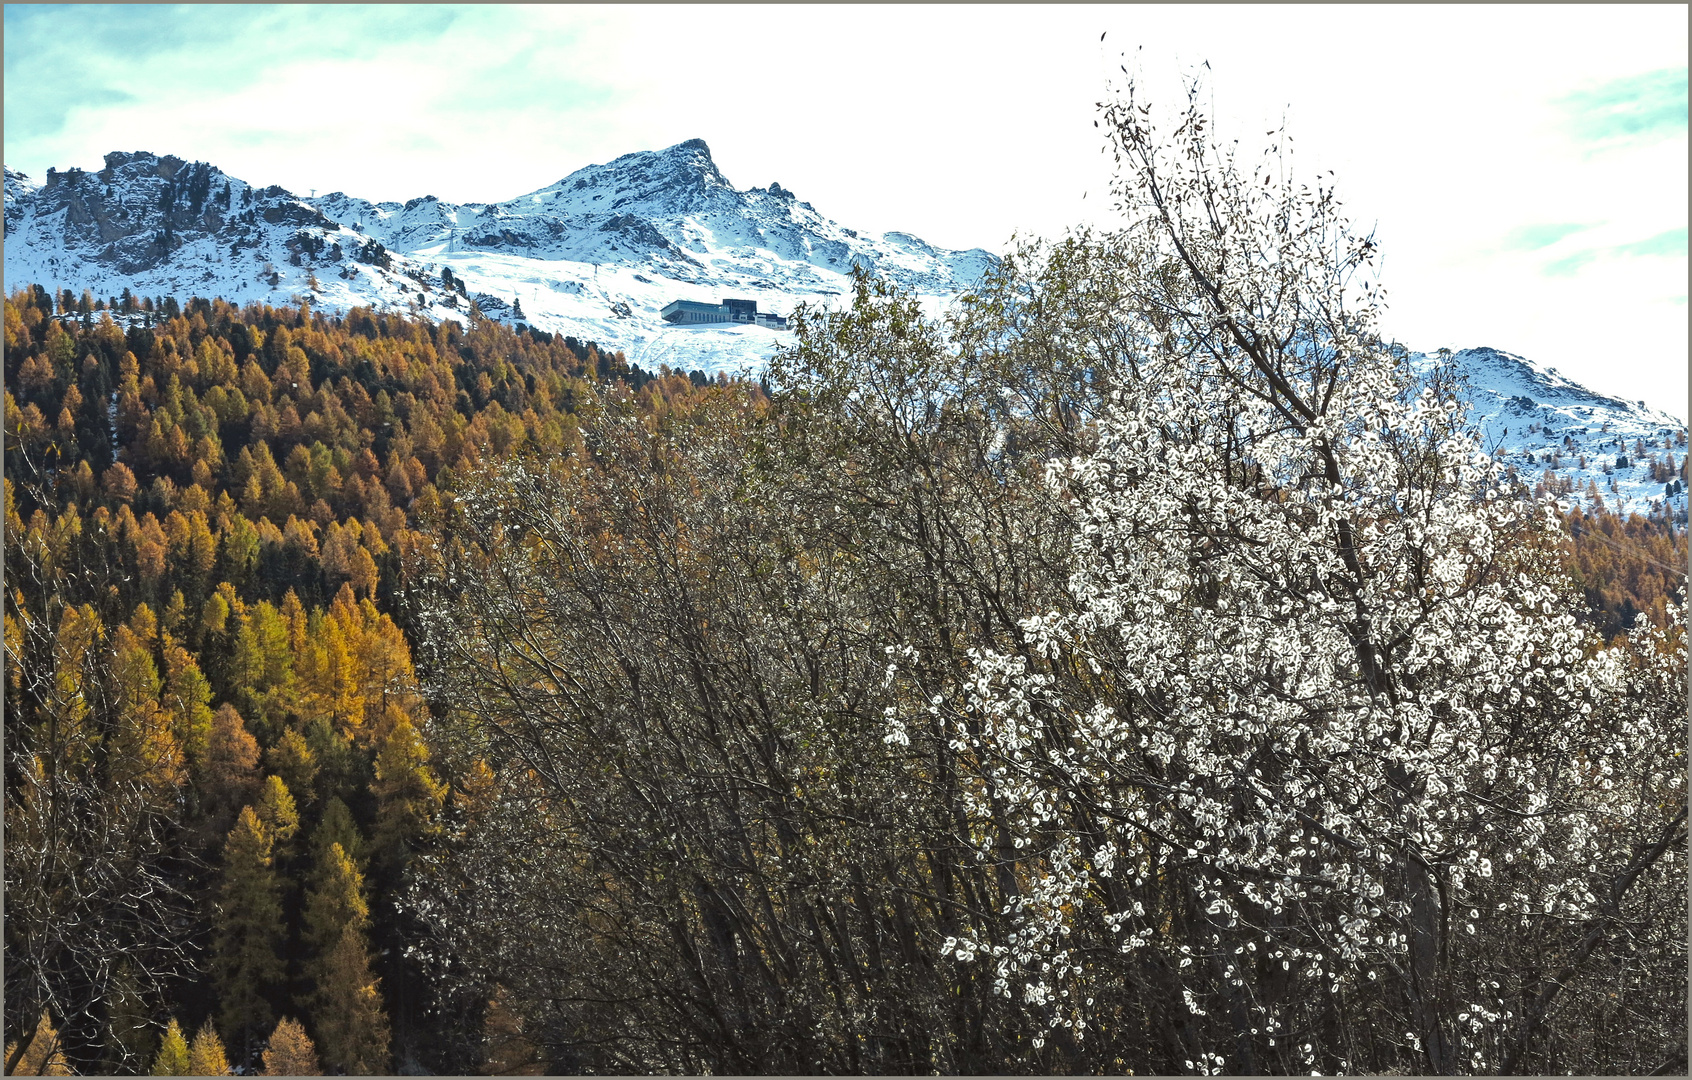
{"points": [[694, 313]]}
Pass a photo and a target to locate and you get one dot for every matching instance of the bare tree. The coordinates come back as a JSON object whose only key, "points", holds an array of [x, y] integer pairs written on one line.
{"points": [[97, 917], [1141, 670]]}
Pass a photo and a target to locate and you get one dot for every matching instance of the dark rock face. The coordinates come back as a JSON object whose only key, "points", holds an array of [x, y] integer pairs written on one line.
{"points": [[141, 207], [517, 233], [915, 242], [165, 168], [293, 213], [491, 305], [19, 192], [638, 230], [499, 238]]}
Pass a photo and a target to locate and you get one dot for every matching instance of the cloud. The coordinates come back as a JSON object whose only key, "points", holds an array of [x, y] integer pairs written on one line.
{"points": [[1647, 106], [1534, 237], [376, 100], [1669, 243], [65, 63], [1672, 242], [1570, 265], [959, 131]]}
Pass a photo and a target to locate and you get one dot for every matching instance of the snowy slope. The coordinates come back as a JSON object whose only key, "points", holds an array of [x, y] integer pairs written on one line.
{"points": [[598, 253], [160, 226], [1534, 419], [595, 255]]}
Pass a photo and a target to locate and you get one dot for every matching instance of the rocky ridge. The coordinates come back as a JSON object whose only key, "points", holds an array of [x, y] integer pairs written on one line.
{"points": [[599, 253], [596, 254]]}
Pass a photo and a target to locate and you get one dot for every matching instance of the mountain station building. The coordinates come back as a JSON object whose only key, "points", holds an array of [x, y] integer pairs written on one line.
{"points": [[692, 313]]}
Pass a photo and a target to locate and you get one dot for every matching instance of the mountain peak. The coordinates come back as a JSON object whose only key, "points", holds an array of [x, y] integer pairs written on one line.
{"points": [[597, 254], [693, 157], [163, 166], [676, 179]]}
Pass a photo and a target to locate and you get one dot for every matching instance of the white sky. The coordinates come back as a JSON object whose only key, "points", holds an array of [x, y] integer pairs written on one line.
{"points": [[1525, 167]]}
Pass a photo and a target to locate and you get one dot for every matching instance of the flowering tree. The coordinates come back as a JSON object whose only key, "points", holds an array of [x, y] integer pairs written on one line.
{"points": [[1315, 753], [1147, 645]]}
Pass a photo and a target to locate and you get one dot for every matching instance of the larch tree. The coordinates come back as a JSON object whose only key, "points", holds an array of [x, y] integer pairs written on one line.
{"points": [[230, 774], [173, 1055], [408, 797], [279, 815], [248, 932], [290, 1051], [262, 667], [145, 751], [187, 698], [347, 1013], [335, 899], [327, 681], [292, 760], [91, 809], [351, 1023], [39, 1055], [206, 1056]]}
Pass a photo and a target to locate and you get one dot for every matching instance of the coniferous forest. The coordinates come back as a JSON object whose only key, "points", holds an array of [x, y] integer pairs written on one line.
{"points": [[1138, 670]]}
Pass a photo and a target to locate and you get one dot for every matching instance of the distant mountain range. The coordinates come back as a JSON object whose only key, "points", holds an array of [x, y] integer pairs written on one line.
{"points": [[600, 252], [595, 255]]}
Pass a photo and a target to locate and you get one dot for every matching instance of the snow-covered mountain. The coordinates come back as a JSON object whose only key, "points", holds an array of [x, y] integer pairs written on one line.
{"points": [[600, 252], [595, 255], [1600, 450]]}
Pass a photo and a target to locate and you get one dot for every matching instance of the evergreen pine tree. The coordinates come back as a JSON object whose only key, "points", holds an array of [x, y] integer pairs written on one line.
{"points": [[248, 930], [129, 1030], [336, 827]]}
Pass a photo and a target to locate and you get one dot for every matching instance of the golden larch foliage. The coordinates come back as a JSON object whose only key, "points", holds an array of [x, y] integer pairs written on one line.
{"points": [[290, 1052], [206, 1056], [173, 1057]]}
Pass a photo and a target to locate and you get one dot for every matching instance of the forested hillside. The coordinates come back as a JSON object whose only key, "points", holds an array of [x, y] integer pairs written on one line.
{"points": [[211, 682], [1143, 669], [1627, 567], [207, 686]]}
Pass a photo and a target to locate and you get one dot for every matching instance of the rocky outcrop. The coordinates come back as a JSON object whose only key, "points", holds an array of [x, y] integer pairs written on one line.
{"points": [[599, 252]]}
